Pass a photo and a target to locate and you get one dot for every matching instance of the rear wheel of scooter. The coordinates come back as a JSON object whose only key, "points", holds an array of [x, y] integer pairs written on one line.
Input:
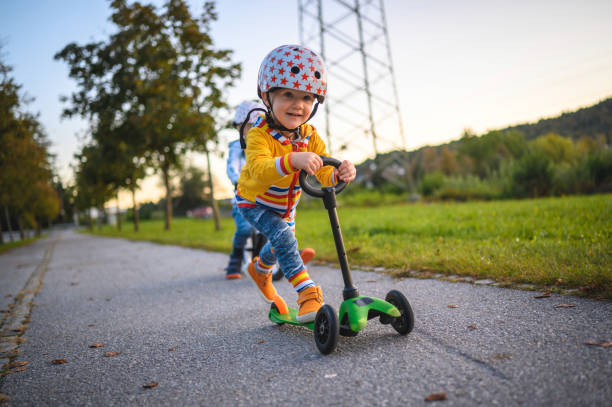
{"points": [[405, 322], [326, 329]]}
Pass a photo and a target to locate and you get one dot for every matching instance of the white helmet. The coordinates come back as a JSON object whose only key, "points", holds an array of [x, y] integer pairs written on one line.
{"points": [[293, 67], [243, 110]]}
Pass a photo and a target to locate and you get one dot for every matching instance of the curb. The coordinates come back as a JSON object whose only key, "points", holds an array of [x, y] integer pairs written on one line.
{"points": [[14, 324]]}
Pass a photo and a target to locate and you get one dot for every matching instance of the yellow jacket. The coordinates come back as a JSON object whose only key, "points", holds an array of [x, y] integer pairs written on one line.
{"points": [[267, 178]]}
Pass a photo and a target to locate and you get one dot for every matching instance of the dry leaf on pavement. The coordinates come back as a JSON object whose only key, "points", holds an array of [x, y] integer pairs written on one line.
{"points": [[453, 306], [150, 385], [471, 327], [17, 364], [436, 397], [544, 295], [58, 361], [565, 305], [109, 354], [96, 345], [603, 344]]}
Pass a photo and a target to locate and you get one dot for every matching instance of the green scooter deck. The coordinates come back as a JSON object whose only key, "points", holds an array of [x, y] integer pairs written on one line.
{"points": [[290, 318]]}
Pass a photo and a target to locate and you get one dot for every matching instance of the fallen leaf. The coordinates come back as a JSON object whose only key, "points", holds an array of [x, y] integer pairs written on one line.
{"points": [[74, 283], [91, 298], [91, 325], [150, 385], [370, 281], [21, 369], [107, 299], [436, 397], [18, 330], [471, 327], [110, 354], [603, 344], [4, 311], [261, 341], [543, 295], [17, 364], [453, 306], [96, 345], [565, 305], [8, 295], [172, 349], [502, 356], [58, 361], [4, 398]]}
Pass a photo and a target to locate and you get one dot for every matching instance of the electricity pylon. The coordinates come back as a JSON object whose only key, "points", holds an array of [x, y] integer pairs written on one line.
{"points": [[362, 100]]}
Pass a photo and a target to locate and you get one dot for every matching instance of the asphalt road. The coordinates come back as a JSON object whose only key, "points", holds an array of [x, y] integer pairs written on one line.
{"points": [[176, 321]]}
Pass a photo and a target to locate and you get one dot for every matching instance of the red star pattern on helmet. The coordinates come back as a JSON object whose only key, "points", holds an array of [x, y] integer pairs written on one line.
{"points": [[301, 65], [304, 76], [310, 60], [283, 81], [308, 87], [279, 62], [296, 84], [287, 53], [271, 68], [312, 68], [273, 78], [297, 56], [289, 63], [281, 71], [319, 91]]}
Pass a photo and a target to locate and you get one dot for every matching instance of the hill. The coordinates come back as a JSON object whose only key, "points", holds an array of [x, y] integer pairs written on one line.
{"points": [[406, 169]]}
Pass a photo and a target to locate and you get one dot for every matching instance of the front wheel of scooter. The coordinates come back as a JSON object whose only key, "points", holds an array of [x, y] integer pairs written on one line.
{"points": [[405, 322], [326, 329]]}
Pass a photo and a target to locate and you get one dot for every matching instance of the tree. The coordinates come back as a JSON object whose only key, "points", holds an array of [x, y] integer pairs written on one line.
{"points": [[160, 76]]}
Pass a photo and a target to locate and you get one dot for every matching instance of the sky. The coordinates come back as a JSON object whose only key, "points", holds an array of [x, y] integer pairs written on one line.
{"points": [[478, 64]]}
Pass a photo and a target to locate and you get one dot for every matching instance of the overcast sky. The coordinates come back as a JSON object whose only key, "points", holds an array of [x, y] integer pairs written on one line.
{"points": [[459, 64]]}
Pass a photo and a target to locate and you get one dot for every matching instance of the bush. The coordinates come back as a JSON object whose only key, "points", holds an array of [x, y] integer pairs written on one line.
{"points": [[532, 175], [469, 187], [431, 183]]}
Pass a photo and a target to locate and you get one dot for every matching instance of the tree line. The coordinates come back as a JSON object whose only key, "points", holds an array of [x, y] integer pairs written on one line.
{"points": [[27, 193], [571, 155]]}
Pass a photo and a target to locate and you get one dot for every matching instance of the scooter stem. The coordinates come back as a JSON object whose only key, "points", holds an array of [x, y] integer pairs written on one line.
{"points": [[329, 200]]}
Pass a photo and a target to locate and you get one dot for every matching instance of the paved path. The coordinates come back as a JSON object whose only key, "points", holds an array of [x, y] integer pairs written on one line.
{"points": [[206, 341]]}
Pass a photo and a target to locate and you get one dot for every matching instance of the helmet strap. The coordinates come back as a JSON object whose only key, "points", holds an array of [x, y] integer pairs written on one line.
{"points": [[244, 123]]}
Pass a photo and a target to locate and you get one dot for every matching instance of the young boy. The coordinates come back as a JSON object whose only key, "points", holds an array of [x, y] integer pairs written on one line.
{"points": [[292, 81], [235, 161], [246, 114]]}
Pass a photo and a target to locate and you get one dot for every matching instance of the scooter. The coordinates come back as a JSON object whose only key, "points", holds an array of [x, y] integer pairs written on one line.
{"points": [[355, 310]]}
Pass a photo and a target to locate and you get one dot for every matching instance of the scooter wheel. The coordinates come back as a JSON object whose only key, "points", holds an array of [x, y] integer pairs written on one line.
{"points": [[405, 322], [326, 329]]}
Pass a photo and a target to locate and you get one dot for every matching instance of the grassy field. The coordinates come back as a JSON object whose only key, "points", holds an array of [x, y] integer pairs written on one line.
{"points": [[552, 243]]}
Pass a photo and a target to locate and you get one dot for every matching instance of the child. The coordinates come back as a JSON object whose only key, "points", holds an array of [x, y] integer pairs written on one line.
{"points": [[235, 161], [246, 114], [292, 81]]}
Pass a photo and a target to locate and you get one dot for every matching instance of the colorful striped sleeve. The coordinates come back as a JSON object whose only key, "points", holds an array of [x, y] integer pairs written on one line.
{"points": [[283, 165]]}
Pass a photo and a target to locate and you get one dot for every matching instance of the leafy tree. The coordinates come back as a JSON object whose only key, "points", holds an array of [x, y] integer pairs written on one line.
{"points": [[159, 76]]}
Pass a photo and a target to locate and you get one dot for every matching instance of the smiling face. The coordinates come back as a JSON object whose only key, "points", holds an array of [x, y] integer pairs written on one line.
{"points": [[291, 107]]}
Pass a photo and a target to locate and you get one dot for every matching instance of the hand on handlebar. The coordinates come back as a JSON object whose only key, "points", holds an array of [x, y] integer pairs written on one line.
{"points": [[309, 162], [346, 171]]}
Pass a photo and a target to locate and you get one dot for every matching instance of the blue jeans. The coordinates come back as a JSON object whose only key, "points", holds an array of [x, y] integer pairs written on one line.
{"points": [[243, 229], [280, 237]]}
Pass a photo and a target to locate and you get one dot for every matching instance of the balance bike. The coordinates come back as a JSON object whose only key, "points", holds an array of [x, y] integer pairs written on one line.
{"points": [[355, 310]]}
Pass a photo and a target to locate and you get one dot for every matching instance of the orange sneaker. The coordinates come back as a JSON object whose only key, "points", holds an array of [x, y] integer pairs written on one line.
{"points": [[310, 300], [263, 282]]}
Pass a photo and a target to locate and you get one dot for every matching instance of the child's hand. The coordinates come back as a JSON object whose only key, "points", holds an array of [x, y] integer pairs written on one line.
{"points": [[309, 162], [346, 172]]}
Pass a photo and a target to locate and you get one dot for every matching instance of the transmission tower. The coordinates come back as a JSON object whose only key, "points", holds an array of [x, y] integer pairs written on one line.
{"points": [[362, 101]]}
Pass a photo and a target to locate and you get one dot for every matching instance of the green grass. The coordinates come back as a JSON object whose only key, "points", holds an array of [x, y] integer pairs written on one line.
{"points": [[6, 246], [558, 243]]}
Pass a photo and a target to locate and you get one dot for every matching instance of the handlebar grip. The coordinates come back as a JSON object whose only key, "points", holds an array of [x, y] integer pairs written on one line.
{"points": [[316, 192]]}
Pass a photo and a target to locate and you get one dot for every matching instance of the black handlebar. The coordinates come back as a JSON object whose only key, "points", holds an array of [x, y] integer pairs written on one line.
{"points": [[319, 193]]}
